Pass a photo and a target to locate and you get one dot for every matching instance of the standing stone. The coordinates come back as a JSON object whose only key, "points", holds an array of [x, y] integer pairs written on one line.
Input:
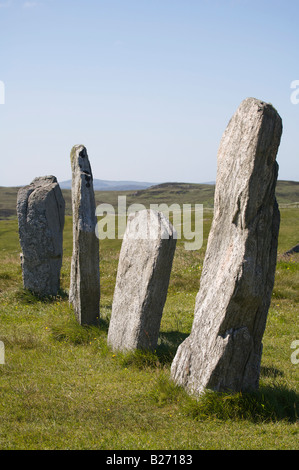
{"points": [[142, 281], [223, 351], [84, 292], [40, 210]]}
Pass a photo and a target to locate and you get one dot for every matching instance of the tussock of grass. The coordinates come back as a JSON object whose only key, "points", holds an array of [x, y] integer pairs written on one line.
{"points": [[139, 359], [165, 392], [5, 276], [70, 331]]}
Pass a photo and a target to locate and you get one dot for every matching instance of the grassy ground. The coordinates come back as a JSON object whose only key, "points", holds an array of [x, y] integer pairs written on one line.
{"points": [[62, 388]]}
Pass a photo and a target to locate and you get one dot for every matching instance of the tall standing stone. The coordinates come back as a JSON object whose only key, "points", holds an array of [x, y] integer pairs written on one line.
{"points": [[223, 351], [84, 292], [143, 274], [40, 210]]}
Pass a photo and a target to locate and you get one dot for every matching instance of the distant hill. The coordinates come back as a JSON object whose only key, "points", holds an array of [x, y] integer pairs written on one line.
{"points": [[105, 185], [287, 192]]}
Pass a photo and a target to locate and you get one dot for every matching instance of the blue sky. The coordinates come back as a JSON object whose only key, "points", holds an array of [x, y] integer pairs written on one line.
{"points": [[148, 86]]}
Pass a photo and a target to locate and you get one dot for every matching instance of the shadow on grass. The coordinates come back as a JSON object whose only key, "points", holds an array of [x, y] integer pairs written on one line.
{"points": [[168, 344], [268, 404], [271, 372], [26, 296], [162, 356]]}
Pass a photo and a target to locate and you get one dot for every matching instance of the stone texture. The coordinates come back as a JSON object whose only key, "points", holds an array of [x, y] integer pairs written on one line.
{"points": [[40, 210], [223, 351], [143, 274], [84, 292]]}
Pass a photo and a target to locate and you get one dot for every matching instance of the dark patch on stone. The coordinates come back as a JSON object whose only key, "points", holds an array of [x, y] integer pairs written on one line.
{"points": [[83, 153]]}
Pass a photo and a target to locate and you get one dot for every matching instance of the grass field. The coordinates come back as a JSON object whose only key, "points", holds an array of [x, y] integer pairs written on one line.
{"points": [[62, 388]]}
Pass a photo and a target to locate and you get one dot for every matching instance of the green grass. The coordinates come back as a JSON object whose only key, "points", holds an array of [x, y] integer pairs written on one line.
{"points": [[61, 386]]}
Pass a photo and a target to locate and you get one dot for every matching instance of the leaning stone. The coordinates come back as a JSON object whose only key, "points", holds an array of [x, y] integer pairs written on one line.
{"points": [[84, 292], [142, 281], [40, 210], [223, 351]]}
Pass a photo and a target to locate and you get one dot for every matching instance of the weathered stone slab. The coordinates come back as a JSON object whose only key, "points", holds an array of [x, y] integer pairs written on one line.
{"points": [[40, 210], [84, 292], [143, 274], [223, 351]]}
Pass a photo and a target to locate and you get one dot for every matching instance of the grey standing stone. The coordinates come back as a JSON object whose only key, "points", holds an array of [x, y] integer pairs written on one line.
{"points": [[223, 351], [142, 281], [84, 292], [40, 210]]}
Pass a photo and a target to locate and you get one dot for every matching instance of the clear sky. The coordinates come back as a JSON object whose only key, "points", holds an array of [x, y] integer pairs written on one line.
{"points": [[148, 86]]}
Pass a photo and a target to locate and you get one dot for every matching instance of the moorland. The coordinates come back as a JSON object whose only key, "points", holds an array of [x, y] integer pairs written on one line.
{"points": [[61, 387]]}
